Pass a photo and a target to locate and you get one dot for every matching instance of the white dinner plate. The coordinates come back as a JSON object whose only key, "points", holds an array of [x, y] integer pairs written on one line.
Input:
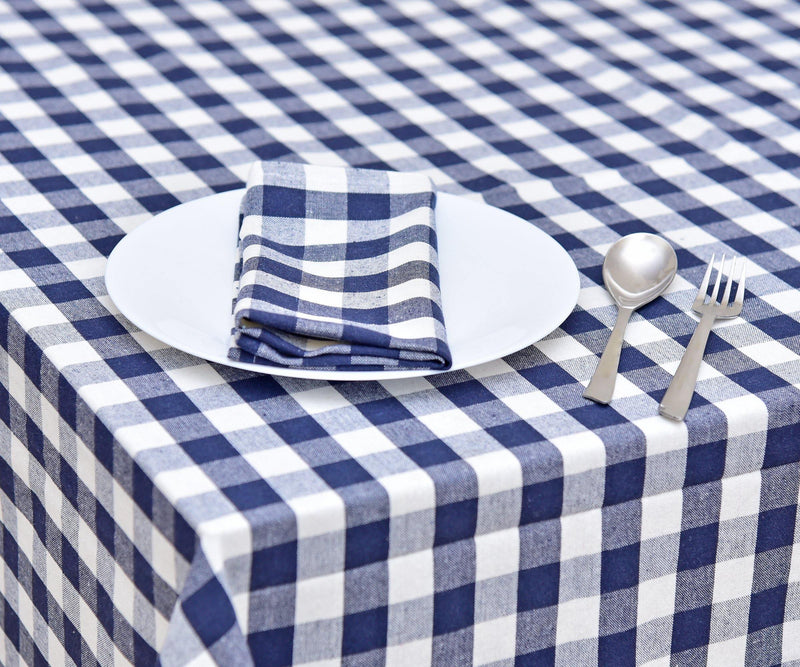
{"points": [[505, 283]]}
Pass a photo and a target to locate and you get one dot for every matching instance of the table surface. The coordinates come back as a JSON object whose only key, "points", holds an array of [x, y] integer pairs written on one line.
{"points": [[156, 504]]}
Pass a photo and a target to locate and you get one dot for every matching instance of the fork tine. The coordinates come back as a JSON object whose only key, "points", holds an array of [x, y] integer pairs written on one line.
{"points": [[731, 272], [703, 290], [739, 300], [715, 291]]}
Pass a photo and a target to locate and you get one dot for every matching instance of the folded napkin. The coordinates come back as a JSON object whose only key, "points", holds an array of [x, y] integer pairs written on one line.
{"points": [[338, 269]]}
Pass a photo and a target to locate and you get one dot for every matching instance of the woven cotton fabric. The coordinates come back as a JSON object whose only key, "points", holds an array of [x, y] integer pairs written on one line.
{"points": [[159, 509], [338, 268]]}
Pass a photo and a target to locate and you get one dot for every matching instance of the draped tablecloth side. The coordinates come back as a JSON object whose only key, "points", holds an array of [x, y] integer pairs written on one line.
{"points": [[94, 556]]}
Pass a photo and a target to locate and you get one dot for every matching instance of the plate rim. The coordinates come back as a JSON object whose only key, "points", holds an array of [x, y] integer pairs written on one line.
{"points": [[344, 375]]}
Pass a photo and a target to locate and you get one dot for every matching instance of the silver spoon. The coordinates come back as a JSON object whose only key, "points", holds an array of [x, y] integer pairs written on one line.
{"points": [[637, 269]]}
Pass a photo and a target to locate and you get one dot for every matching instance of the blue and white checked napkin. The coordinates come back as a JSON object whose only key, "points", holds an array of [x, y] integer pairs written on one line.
{"points": [[338, 268]]}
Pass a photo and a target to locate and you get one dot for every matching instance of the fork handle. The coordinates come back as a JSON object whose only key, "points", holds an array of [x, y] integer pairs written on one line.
{"points": [[679, 394]]}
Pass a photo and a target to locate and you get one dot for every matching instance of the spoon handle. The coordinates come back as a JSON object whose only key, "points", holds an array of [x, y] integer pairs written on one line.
{"points": [[601, 387]]}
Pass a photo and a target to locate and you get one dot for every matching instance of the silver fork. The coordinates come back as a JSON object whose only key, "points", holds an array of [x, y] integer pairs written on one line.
{"points": [[679, 393]]}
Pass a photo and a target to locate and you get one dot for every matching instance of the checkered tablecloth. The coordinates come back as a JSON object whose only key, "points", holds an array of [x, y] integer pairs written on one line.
{"points": [[154, 506]]}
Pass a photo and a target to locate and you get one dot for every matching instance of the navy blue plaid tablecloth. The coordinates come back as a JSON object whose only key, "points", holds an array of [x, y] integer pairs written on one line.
{"points": [[155, 507]]}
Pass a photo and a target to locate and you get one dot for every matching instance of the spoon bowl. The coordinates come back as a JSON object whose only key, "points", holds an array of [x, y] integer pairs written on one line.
{"points": [[637, 269]]}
